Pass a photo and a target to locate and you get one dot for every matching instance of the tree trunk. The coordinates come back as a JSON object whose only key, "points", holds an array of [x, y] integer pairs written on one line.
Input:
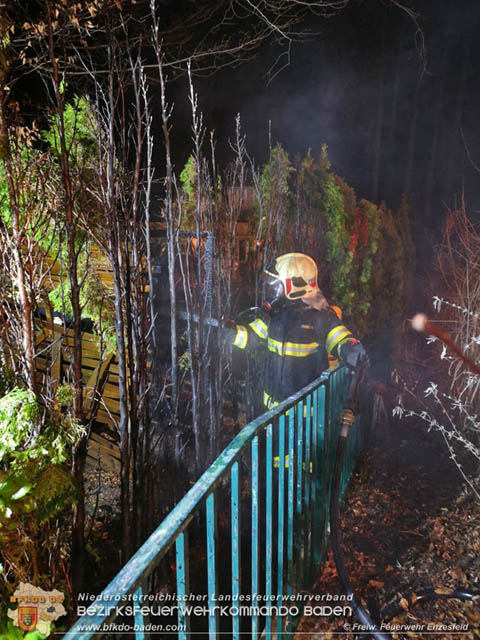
{"points": [[378, 139], [70, 227], [78, 519], [412, 141], [453, 173], [392, 141], [115, 250], [78, 522], [437, 118], [19, 268]]}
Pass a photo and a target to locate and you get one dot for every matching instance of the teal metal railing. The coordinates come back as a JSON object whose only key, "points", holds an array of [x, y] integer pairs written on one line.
{"points": [[249, 536]]}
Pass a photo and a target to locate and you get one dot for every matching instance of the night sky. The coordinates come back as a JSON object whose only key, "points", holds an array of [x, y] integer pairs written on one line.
{"points": [[395, 101], [363, 85]]}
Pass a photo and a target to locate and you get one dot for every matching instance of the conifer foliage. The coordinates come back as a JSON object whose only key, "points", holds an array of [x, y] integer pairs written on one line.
{"points": [[364, 252]]}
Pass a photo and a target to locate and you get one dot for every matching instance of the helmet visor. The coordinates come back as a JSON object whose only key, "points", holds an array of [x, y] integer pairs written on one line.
{"points": [[273, 290]]}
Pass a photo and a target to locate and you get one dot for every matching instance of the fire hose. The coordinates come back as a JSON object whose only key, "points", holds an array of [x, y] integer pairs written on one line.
{"points": [[347, 418]]}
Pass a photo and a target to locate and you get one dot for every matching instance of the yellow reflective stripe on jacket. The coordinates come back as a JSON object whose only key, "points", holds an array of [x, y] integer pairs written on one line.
{"points": [[296, 349], [241, 337], [259, 327], [335, 336], [275, 345], [268, 401], [276, 463], [299, 349]]}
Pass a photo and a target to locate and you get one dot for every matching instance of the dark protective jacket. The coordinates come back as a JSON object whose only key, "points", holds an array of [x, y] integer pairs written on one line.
{"points": [[298, 340]]}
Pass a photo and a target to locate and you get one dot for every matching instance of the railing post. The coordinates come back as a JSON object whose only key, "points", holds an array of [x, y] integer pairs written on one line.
{"points": [[319, 498], [211, 567], [281, 516], [331, 433], [236, 546], [307, 493], [292, 461], [299, 540], [254, 535], [290, 498], [183, 587], [139, 619], [268, 525]]}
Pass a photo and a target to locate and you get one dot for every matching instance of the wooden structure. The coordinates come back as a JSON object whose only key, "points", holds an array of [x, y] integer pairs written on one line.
{"points": [[54, 342], [99, 371]]}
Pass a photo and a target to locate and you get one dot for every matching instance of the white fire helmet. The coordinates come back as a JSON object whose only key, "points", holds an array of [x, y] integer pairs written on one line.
{"points": [[297, 273]]}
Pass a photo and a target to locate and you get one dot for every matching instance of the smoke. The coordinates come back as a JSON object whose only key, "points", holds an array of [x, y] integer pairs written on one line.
{"points": [[360, 86]]}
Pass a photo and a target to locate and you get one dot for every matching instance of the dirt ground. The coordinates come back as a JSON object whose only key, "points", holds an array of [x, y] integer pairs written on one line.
{"points": [[407, 526]]}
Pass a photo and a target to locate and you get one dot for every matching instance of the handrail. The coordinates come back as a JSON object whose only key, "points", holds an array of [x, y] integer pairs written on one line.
{"points": [[299, 431]]}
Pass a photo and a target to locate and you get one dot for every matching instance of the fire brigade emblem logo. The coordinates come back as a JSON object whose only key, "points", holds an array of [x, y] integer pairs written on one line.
{"points": [[27, 618], [37, 609]]}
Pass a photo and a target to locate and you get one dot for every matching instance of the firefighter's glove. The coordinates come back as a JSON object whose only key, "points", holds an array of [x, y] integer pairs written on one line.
{"points": [[228, 323], [228, 330], [354, 354]]}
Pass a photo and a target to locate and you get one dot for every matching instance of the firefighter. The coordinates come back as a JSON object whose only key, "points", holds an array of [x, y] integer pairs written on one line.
{"points": [[299, 329]]}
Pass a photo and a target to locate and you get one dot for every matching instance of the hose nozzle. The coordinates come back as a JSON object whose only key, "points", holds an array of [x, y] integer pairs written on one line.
{"points": [[420, 322], [347, 418]]}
